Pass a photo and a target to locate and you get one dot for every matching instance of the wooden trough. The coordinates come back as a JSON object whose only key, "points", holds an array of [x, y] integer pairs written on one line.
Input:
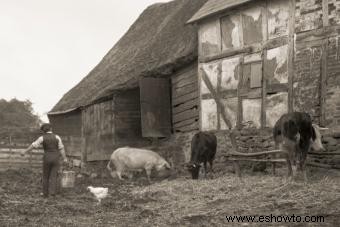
{"points": [[271, 156]]}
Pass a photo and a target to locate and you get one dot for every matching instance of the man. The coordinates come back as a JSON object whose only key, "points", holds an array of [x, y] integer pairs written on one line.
{"points": [[53, 147]]}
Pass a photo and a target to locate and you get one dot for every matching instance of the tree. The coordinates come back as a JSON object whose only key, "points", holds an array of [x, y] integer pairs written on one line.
{"points": [[16, 114]]}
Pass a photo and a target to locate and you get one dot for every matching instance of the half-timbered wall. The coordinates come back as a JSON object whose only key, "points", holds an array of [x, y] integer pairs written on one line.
{"points": [[243, 56], [332, 100], [185, 114], [316, 83], [68, 127]]}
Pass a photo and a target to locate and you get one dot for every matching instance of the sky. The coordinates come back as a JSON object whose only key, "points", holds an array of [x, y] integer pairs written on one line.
{"points": [[48, 46]]}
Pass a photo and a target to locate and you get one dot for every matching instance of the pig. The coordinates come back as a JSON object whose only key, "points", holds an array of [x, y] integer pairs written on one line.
{"points": [[128, 158]]}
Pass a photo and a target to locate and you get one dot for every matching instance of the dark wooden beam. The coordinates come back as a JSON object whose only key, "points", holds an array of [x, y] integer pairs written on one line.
{"points": [[264, 90], [277, 42], [225, 54], [320, 33], [291, 32], [325, 20], [216, 98], [239, 98], [323, 85]]}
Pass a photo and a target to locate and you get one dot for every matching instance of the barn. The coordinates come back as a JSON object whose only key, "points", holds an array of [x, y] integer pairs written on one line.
{"points": [[144, 89], [190, 65], [259, 59]]}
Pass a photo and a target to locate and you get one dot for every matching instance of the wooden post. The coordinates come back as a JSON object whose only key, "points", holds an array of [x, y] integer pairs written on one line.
{"points": [[291, 47], [264, 90], [218, 92], [323, 85], [325, 20], [239, 97], [83, 140], [264, 56], [237, 168]]}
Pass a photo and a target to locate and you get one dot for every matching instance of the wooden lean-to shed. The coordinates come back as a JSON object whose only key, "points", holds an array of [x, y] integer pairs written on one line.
{"points": [[259, 59], [144, 87]]}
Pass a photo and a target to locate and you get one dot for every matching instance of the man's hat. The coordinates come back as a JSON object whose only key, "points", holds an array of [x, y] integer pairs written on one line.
{"points": [[46, 127]]}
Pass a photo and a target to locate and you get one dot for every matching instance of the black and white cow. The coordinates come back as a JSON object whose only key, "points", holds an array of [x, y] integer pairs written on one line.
{"points": [[295, 134], [203, 150]]}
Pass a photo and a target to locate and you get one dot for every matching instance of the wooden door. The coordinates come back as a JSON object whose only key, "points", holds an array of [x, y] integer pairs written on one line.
{"points": [[155, 107]]}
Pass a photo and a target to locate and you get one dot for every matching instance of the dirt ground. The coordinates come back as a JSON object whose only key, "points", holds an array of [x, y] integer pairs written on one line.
{"points": [[175, 202]]}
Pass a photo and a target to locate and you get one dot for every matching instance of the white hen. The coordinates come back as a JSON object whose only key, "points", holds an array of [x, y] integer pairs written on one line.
{"points": [[99, 192]]}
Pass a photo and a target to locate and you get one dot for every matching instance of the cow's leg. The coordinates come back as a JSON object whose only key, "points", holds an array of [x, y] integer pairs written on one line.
{"points": [[205, 169], [237, 168], [290, 169], [289, 158], [274, 168], [304, 175], [302, 166], [211, 166], [289, 166]]}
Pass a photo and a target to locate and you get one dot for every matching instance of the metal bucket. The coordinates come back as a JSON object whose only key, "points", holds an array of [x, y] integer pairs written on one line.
{"points": [[68, 179]]}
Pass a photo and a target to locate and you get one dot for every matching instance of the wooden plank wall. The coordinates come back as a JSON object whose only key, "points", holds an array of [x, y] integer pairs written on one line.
{"points": [[98, 131], [185, 100], [11, 158], [111, 124], [68, 127]]}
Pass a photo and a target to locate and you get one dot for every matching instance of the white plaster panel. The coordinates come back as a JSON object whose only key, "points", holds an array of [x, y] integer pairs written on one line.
{"points": [[234, 32], [278, 18], [252, 111], [210, 38], [212, 70], [280, 54], [230, 77], [208, 114], [276, 106], [255, 13]]}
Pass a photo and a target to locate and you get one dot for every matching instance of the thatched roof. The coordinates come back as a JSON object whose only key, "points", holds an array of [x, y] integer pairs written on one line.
{"points": [[157, 43], [213, 7]]}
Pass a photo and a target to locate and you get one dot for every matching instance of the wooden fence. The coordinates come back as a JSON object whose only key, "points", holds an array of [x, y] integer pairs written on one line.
{"points": [[11, 158]]}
